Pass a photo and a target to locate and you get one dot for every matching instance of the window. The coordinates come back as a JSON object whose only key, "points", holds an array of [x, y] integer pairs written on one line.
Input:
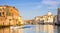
{"points": [[0, 9], [3, 13], [7, 13], [0, 13]]}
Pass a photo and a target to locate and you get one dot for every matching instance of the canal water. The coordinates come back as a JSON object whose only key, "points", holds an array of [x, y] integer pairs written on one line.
{"points": [[31, 29]]}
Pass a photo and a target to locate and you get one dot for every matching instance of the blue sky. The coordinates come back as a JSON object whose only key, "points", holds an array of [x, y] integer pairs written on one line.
{"points": [[28, 9]]}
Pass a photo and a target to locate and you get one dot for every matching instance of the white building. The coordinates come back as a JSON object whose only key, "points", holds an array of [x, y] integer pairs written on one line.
{"points": [[45, 18], [49, 17]]}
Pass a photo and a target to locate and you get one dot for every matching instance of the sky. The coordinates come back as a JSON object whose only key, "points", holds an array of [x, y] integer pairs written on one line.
{"points": [[28, 9]]}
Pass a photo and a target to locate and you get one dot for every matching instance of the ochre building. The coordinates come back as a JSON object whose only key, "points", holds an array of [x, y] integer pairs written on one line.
{"points": [[8, 15]]}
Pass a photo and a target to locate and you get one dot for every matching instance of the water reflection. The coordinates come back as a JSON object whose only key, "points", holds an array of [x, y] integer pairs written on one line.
{"points": [[58, 29], [32, 29], [48, 29], [44, 29], [4, 30], [16, 30]]}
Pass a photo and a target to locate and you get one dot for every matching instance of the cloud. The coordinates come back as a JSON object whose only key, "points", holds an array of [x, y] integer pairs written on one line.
{"points": [[51, 2]]}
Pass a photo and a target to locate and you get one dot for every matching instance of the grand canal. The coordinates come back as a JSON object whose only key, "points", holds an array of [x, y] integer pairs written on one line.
{"points": [[31, 29]]}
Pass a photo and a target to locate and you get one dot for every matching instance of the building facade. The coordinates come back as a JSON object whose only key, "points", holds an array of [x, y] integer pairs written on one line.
{"points": [[20, 21], [48, 18], [58, 16], [55, 19], [8, 15]]}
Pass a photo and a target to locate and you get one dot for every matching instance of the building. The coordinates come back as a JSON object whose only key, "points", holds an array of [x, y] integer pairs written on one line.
{"points": [[58, 16], [39, 19], [55, 19], [29, 21], [47, 18], [20, 21], [8, 15]]}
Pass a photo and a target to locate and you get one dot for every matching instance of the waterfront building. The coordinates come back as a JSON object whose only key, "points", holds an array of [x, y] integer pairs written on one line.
{"points": [[55, 19], [20, 21], [58, 16], [48, 18], [39, 19], [8, 15], [29, 21]]}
